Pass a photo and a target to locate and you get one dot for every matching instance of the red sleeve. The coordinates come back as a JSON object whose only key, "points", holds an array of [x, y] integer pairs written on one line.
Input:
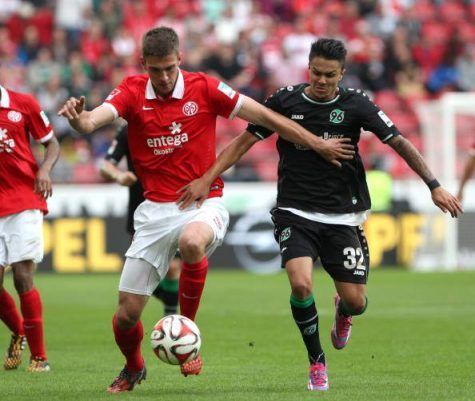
{"points": [[223, 99], [120, 98], [39, 126]]}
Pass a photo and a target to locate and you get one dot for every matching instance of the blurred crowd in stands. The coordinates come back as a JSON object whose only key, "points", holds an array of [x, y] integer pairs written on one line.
{"points": [[400, 52]]}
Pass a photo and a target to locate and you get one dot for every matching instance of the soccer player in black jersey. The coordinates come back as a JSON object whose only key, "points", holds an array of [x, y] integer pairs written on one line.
{"points": [[167, 290], [320, 207]]}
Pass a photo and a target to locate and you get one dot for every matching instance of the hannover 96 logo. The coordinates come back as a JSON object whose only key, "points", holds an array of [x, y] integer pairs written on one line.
{"points": [[285, 234], [337, 116]]}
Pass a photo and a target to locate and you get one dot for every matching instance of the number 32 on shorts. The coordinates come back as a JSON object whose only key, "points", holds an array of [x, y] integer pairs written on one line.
{"points": [[354, 260]]}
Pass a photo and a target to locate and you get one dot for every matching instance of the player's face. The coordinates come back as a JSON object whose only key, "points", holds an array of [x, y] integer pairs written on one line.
{"points": [[325, 76], [163, 72]]}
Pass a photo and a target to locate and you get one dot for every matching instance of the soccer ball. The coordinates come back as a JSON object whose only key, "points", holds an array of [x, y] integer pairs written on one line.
{"points": [[176, 339]]}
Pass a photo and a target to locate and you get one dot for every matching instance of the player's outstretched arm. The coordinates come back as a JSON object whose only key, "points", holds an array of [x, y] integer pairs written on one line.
{"points": [[84, 121], [198, 190], [332, 150], [43, 185], [467, 173], [110, 172], [444, 200]]}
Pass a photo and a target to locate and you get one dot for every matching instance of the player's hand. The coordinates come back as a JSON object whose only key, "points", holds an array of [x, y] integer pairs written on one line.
{"points": [[196, 191], [126, 178], [335, 149], [72, 108], [43, 185], [460, 196], [446, 202]]}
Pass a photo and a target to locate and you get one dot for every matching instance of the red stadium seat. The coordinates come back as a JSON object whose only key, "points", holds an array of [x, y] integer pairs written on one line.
{"points": [[388, 100]]}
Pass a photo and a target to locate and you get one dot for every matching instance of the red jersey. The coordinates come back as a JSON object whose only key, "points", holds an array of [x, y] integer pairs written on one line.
{"points": [[20, 117], [172, 141]]}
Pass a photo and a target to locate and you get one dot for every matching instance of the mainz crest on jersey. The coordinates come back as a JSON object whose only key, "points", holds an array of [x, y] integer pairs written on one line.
{"points": [[190, 108], [14, 116]]}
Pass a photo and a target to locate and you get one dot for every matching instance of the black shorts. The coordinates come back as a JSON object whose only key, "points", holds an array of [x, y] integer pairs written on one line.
{"points": [[343, 250]]}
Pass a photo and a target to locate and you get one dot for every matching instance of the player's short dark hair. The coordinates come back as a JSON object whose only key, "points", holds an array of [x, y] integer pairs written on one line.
{"points": [[329, 49], [160, 42]]}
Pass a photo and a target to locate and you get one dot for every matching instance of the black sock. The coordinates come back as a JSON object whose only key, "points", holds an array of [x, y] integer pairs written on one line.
{"points": [[167, 292], [306, 317]]}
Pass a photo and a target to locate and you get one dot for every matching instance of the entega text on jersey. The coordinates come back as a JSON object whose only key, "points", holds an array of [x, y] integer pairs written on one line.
{"points": [[306, 180]]}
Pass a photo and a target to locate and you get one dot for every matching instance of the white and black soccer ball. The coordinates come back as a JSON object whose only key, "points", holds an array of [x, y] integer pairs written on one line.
{"points": [[176, 339]]}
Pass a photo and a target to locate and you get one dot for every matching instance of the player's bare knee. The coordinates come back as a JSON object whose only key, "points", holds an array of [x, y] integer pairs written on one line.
{"points": [[192, 249], [301, 290], [126, 319], [357, 305]]}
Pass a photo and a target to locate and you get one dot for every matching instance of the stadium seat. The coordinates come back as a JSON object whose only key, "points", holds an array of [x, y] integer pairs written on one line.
{"points": [[388, 100]]}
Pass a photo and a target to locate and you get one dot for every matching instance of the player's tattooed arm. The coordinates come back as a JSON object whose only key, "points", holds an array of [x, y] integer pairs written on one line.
{"points": [[444, 200], [413, 158]]}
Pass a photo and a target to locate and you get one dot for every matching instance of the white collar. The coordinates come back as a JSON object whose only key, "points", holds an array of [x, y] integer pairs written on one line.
{"points": [[5, 101], [178, 91]]}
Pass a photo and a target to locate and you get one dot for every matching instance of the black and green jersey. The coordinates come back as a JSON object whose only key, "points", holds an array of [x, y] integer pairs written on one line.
{"points": [[306, 180]]}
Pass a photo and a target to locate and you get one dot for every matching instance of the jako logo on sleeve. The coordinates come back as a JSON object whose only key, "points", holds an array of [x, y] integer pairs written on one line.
{"points": [[226, 89], [45, 119], [385, 118]]}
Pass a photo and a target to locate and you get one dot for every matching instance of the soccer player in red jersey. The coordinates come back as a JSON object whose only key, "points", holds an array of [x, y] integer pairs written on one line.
{"points": [[167, 290], [171, 117], [468, 170], [24, 188]]}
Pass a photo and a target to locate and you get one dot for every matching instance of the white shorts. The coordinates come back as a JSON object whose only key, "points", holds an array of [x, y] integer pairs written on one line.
{"points": [[157, 230], [21, 237]]}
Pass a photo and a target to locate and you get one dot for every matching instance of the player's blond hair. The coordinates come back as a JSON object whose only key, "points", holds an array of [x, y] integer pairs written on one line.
{"points": [[160, 42]]}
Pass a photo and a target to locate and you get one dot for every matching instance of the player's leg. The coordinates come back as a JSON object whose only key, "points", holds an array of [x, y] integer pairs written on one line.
{"points": [[167, 289], [25, 249], [137, 281], [296, 238], [32, 311], [304, 312], [346, 258], [10, 315], [198, 239], [350, 301], [194, 239]]}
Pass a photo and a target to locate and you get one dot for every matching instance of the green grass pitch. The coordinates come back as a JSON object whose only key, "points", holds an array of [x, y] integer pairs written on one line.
{"points": [[415, 342]]}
